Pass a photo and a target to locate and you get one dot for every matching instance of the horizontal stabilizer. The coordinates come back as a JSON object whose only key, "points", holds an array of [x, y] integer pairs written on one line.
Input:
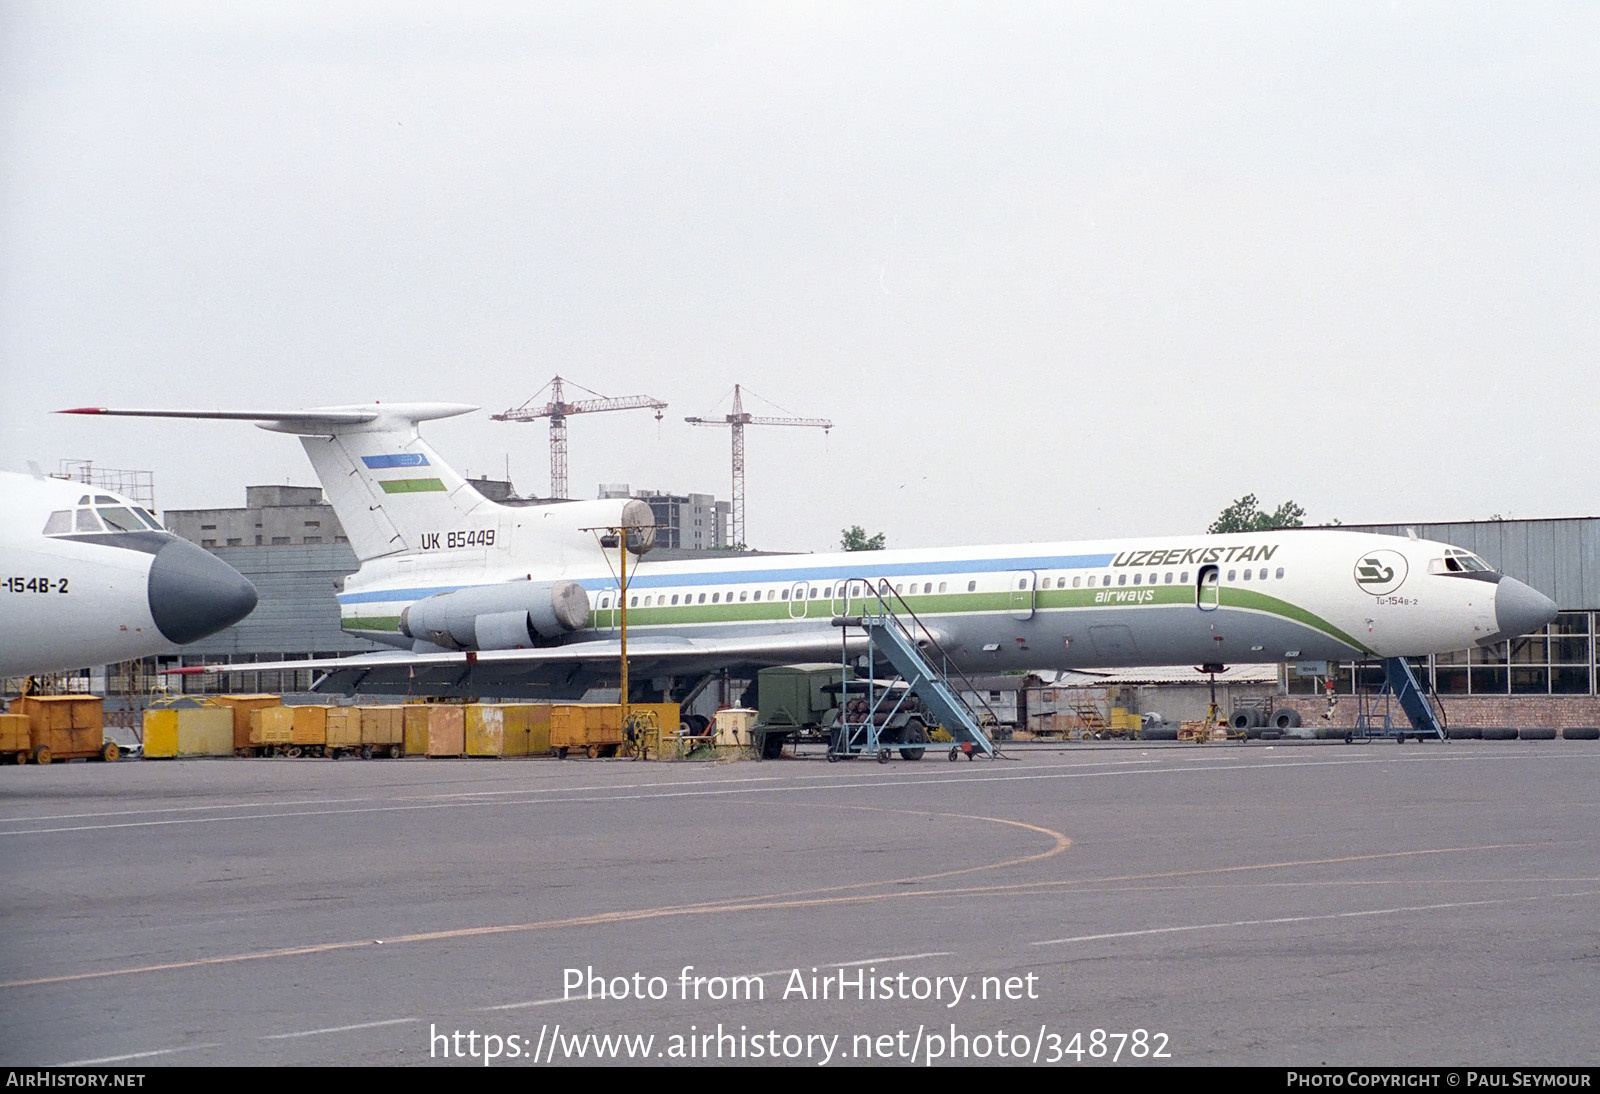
{"points": [[313, 421]]}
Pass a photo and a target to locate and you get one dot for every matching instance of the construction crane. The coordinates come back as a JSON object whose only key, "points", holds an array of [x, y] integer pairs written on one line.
{"points": [[738, 420], [557, 410]]}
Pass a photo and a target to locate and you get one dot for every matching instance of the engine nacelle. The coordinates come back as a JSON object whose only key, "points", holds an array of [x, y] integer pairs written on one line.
{"points": [[508, 616]]}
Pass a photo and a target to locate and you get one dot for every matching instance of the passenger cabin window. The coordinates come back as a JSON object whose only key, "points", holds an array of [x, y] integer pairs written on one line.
{"points": [[744, 594], [756, 595], [633, 602], [1280, 573], [972, 586], [714, 597], [1091, 581], [674, 598], [1077, 581], [941, 586], [1122, 579], [927, 588], [1137, 578]]}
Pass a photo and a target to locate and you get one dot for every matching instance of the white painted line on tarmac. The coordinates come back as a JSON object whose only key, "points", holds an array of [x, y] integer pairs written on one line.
{"points": [[886, 960], [184, 809], [336, 1029], [1281, 920], [137, 1055]]}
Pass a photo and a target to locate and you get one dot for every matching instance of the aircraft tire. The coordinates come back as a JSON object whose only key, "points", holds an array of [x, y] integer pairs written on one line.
{"points": [[1537, 733], [1285, 718], [1465, 733], [1271, 734], [1161, 734], [1499, 733], [1581, 733]]}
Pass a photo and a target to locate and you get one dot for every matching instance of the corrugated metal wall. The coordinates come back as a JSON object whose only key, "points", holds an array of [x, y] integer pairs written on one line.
{"points": [[297, 612]]}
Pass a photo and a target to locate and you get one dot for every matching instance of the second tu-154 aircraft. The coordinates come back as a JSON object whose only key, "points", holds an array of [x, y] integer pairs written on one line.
{"points": [[483, 598]]}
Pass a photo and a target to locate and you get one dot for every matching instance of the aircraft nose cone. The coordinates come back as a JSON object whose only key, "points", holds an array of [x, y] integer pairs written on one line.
{"points": [[194, 593], [1520, 609]]}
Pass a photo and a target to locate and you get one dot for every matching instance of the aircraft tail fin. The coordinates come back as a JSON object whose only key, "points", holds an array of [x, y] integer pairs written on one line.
{"points": [[388, 487]]}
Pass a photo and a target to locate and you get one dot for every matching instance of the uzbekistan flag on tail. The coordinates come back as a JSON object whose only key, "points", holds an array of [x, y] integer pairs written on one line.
{"points": [[403, 486]]}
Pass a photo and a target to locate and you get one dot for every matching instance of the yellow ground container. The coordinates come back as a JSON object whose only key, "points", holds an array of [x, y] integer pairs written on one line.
{"points": [[527, 729], [66, 726], [382, 727], [415, 726], [271, 727], [485, 729], [344, 728], [242, 705], [160, 733], [205, 731], [508, 729], [188, 731], [15, 738], [311, 726]]}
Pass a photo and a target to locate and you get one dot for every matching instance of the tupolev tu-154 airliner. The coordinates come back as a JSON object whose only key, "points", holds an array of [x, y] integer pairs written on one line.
{"points": [[483, 598]]}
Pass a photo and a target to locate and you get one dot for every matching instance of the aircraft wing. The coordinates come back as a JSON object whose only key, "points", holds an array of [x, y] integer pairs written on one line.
{"points": [[541, 669]]}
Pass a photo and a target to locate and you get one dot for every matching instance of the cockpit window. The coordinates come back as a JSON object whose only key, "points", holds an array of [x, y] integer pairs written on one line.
{"points": [[149, 518], [119, 519], [88, 522], [104, 499], [1457, 561], [60, 521]]}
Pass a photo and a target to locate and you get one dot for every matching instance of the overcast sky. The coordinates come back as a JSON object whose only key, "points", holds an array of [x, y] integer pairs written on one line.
{"points": [[1055, 271]]}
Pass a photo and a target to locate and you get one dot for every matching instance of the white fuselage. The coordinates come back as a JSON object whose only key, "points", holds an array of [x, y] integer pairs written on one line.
{"points": [[1277, 596]]}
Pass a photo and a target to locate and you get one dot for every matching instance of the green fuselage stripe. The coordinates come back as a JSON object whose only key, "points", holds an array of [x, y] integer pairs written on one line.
{"points": [[933, 605]]}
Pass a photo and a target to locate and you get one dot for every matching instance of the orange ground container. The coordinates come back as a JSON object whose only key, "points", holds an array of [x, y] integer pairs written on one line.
{"points": [[586, 727], [16, 737], [271, 727], [63, 727]]}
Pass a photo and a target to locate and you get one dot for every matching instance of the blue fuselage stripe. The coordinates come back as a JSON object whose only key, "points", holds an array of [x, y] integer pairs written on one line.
{"points": [[784, 576]]}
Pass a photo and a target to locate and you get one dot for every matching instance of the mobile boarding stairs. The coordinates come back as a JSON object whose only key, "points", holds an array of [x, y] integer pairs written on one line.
{"points": [[899, 643]]}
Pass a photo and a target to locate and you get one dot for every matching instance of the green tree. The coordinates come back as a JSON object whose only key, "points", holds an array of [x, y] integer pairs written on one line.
{"points": [[855, 538], [1245, 515]]}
